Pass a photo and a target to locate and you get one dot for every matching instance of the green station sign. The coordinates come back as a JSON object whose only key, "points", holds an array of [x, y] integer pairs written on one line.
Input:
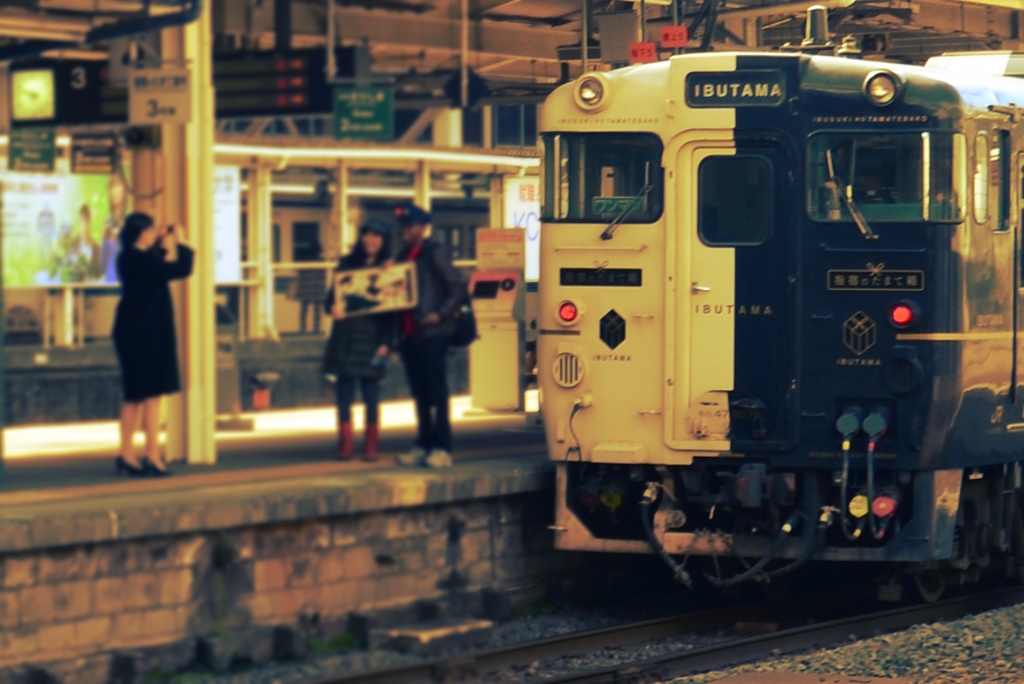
{"points": [[364, 113], [32, 150]]}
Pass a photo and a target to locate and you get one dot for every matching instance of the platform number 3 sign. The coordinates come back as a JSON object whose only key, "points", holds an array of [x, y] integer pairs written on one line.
{"points": [[159, 96]]}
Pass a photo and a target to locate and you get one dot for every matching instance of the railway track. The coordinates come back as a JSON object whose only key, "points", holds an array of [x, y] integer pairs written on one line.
{"points": [[476, 666]]}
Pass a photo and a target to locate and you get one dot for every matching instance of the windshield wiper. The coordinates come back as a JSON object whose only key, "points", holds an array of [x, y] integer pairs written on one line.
{"points": [[637, 201], [840, 191]]}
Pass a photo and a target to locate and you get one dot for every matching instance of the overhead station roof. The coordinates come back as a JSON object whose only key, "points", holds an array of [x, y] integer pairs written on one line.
{"points": [[517, 41]]}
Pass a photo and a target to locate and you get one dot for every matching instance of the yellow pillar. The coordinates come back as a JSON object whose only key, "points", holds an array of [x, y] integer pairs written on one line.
{"points": [[253, 302], [173, 200], [200, 371], [261, 250]]}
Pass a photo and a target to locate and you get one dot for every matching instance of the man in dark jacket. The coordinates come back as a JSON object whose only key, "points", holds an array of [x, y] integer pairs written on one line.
{"points": [[425, 333]]}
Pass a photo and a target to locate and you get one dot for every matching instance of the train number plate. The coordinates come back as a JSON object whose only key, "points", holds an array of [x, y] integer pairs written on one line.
{"points": [[610, 277], [876, 280]]}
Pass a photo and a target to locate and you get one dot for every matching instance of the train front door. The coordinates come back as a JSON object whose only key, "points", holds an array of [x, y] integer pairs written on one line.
{"points": [[731, 354]]}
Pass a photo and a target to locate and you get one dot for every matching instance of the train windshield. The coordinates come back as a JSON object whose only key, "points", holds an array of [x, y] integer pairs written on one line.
{"points": [[890, 177], [598, 177]]}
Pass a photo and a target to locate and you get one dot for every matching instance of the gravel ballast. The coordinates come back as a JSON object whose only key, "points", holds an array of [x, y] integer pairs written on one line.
{"points": [[545, 624], [981, 649]]}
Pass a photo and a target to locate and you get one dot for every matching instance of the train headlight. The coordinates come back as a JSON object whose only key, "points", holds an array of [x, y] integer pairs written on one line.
{"points": [[881, 88], [592, 92]]}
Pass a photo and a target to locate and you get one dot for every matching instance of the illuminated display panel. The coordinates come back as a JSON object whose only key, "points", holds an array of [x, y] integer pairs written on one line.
{"points": [[32, 95]]}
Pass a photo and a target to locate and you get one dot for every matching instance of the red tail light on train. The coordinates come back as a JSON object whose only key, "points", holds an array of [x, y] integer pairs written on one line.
{"points": [[568, 312], [903, 315]]}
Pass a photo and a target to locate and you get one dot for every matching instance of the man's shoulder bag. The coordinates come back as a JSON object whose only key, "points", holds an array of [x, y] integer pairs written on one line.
{"points": [[465, 326]]}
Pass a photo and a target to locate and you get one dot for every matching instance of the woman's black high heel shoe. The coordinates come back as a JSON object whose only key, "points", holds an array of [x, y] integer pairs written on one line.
{"points": [[152, 470], [124, 467]]}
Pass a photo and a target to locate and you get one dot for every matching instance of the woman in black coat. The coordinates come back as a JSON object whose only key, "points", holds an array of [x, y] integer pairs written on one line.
{"points": [[358, 347], [144, 337]]}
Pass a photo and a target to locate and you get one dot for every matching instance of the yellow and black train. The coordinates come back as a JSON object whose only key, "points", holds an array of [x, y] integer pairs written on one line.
{"points": [[782, 315]]}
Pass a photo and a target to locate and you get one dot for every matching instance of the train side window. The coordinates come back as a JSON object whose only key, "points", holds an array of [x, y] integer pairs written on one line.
{"points": [[999, 167], [981, 177], [736, 201], [946, 172]]}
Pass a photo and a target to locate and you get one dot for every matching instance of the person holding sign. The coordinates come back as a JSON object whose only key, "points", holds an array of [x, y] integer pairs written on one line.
{"points": [[144, 337], [426, 332], [359, 345]]}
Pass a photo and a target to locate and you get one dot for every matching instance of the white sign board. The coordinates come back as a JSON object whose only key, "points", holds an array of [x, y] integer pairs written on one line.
{"points": [[522, 210], [366, 291], [159, 96], [499, 249], [227, 222]]}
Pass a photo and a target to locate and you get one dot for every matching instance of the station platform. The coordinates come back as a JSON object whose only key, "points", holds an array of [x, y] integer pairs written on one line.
{"points": [[276, 543], [73, 455]]}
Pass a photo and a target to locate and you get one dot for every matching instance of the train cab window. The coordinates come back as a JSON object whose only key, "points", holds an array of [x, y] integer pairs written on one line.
{"points": [[981, 177], [736, 200], [596, 177], [885, 176]]}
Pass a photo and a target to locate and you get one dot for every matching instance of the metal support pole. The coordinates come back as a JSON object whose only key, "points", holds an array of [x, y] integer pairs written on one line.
{"points": [[332, 66], [3, 332], [5, 105], [262, 209], [498, 201], [585, 34], [488, 116], [643, 21], [67, 329], [421, 184], [346, 234], [5, 126], [675, 20], [200, 349], [464, 61], [282, 25]]}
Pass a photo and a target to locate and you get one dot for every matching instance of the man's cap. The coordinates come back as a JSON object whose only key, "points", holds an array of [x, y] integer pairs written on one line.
{"points": [[411, 215], [377, 226]]}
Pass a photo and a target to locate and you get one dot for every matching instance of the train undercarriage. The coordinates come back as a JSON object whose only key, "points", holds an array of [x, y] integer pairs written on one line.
{"points": [[724, 523]]}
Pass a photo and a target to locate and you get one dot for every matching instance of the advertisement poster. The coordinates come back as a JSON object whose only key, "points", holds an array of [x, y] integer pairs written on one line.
{"points": [[61, 228], [522, 210], [227, 219], [375, 290]]}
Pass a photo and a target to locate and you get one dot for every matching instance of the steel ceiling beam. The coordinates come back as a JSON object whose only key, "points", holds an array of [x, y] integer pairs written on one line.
{"points": [[486, 37], [189, 12]]}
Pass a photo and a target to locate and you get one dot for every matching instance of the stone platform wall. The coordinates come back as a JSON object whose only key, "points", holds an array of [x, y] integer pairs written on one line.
{"points": [[129, 610]]}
